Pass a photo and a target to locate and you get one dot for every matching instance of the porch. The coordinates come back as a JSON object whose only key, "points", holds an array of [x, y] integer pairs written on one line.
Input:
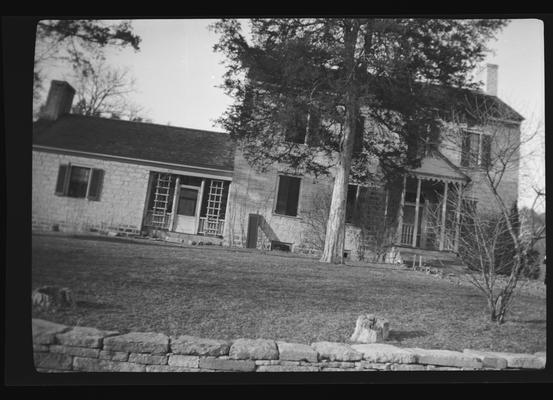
{"points": [[187, 205], [429, 207]]}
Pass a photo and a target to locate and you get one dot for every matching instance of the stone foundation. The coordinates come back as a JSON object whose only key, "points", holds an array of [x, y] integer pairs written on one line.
{"points": [[60, 348]]}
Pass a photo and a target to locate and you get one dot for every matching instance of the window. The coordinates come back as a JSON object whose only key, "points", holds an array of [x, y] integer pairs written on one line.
{"points": [[288, 195], [476, 150], [305, 127], [275, 245], [80, 182]]}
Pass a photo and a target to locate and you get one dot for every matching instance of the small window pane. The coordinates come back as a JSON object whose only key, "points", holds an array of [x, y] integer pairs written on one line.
{"points": [[474, 148], [78, 182]]}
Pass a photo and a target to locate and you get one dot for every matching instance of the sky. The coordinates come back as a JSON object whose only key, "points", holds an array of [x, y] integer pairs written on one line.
{"points": [[178, 73]]}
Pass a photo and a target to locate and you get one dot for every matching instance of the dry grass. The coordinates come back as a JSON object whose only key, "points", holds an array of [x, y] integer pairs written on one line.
{"points": [[224, 293]]}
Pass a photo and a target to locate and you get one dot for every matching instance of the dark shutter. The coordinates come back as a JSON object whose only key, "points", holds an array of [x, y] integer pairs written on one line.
{"points": [[63, 180], [465, 150], [359, 131], [95, 188], [313, 137], [486, 150], [293, 196], [350, 203], [253, 224]]}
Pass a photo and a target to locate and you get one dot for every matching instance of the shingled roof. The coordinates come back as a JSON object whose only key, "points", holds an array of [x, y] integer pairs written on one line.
{"points": [[139, 140]]}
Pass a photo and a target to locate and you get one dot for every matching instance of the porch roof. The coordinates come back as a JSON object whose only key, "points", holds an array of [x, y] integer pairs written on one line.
{"points": [[435, 166]]}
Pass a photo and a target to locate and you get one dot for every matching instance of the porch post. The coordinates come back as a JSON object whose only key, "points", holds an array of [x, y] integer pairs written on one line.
{"points": [[175, 205], [458, 217], [151, 180], [444, 206], [199, 207], [400, 211], [417, 201]]}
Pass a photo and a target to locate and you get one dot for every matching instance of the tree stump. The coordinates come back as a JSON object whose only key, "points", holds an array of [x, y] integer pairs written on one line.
{"points": [[52, 298], [370, 329]]}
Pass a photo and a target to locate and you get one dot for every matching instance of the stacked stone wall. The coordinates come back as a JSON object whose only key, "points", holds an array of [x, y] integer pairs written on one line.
{"points": [[61, 348]]}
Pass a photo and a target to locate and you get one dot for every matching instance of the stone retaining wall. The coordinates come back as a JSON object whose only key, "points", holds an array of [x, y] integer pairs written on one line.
{"points": [[60, 348]]}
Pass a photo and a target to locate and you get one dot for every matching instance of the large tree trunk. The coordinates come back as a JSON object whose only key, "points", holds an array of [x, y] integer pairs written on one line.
{"points": [[335, 230]]}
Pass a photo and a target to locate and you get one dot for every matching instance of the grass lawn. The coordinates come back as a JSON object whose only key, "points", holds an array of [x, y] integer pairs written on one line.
{"points": [[222, 293]]}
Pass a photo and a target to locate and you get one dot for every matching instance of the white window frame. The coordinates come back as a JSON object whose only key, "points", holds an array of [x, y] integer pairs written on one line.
{"points": [[479, 155]]}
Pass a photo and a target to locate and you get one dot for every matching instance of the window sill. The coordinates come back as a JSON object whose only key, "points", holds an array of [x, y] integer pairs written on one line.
{"points": [[297, 217], [473, 169]]}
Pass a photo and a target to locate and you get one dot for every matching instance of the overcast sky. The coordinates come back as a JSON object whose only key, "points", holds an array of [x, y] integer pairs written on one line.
{"points": [[177, 74]]}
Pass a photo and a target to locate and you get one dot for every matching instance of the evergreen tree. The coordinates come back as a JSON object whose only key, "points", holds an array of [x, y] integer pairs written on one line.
{"points": [[329, 96]]}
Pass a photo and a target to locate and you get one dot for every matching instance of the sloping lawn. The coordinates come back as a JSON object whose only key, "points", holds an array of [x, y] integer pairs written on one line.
{"points": [[223, 293]]}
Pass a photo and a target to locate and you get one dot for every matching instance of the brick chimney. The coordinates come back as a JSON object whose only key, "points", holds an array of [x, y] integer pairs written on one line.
{"points": [[59, 101], [491, 79]]}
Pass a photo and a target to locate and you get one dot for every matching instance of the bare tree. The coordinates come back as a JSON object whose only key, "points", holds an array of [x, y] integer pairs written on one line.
{"points": [[104, 91], [492, 240], [316, 220], [75, 43]]}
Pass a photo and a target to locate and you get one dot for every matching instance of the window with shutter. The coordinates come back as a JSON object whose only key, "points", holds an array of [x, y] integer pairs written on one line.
{"points": [[297, 127], [288, 195], [79, 182], [95, 187], [476, 150]]}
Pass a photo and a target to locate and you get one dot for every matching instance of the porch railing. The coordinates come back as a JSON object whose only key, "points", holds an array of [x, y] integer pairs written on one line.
{"points": [[208, 227], [407, 234], [211, 226], [148, 221]]}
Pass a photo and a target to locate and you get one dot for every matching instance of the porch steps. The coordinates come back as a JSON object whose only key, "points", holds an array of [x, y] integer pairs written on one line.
{"points": [[445, 260], [187, 238]]}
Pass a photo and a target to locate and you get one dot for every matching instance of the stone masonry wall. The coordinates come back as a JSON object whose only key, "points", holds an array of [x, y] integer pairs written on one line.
{"points": [[253, 192], [60, 348], [121, 203], [504, 136], [122, 198]]}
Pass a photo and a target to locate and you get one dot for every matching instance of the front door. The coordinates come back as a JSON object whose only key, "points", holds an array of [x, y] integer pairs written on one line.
{"points": [[187, 210]]}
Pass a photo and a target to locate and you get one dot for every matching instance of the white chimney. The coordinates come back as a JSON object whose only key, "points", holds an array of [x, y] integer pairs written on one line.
{"points": [[491, 79], [59, 100]]}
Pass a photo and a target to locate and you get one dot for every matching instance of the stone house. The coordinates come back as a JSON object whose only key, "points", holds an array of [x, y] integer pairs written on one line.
{"points": [[100, 174], [411, 217]]}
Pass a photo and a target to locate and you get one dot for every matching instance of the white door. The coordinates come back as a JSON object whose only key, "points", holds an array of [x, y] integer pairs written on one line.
{"points": [[187, 209]]}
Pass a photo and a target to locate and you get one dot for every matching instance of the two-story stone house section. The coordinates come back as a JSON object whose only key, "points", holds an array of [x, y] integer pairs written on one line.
{"points": [[277, 209]]}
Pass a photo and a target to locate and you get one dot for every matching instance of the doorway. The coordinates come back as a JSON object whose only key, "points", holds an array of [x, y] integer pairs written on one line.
{"points": [[186, 217]]}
